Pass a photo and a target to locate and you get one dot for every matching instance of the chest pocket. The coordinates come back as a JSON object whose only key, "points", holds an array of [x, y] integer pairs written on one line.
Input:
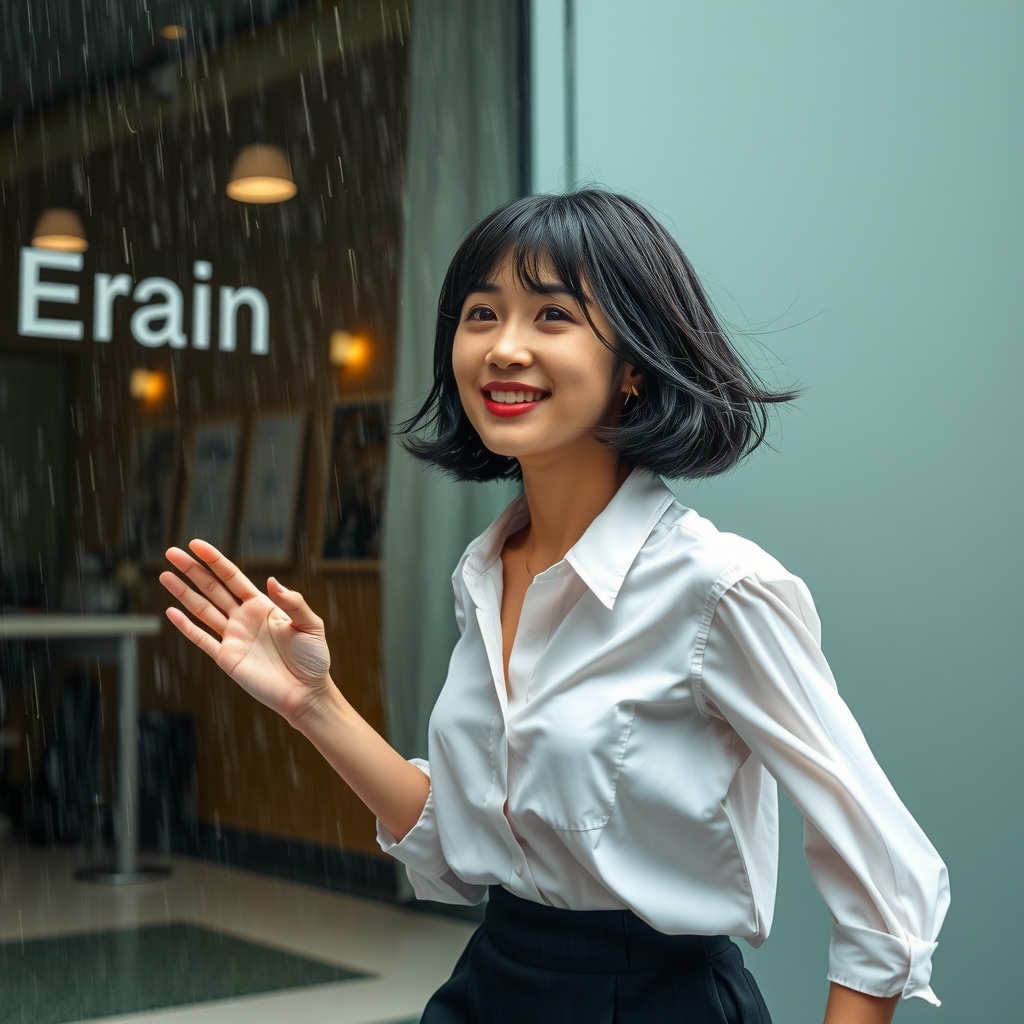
{"points": [[565, 760]]}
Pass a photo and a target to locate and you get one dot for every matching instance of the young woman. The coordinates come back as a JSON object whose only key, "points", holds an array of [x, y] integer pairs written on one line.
{"points": [[630, 683]]}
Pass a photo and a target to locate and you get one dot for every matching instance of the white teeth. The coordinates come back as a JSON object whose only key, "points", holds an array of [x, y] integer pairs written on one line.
{"points": [[514, 397]]}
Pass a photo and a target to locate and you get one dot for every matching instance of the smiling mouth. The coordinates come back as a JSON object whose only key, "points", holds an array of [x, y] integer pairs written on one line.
{"points": [[512, 402]]}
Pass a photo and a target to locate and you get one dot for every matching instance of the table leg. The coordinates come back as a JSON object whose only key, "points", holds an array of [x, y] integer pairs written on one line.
{"points": [[126, 869], [126, 828]]}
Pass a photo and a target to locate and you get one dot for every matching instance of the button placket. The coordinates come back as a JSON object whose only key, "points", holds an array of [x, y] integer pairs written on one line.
{"points": [[485, 591], [531, 637], [489, 621]]}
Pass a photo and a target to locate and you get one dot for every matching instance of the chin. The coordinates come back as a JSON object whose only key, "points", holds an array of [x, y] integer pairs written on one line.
{"points": [[506, 448]]}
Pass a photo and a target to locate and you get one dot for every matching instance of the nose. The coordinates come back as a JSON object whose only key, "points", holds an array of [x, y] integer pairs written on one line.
{"points": [[508, 348]]}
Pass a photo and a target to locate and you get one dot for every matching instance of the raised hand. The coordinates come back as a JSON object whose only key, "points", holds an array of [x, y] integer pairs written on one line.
{"points": [[274, 646], [271, 644]]}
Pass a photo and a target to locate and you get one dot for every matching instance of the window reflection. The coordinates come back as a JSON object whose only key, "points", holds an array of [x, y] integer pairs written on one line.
{"points": [[204, 207], [196, 198]]}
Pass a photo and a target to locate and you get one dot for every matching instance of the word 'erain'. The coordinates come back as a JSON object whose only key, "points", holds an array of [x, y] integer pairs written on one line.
{"points": [[158, 321]]}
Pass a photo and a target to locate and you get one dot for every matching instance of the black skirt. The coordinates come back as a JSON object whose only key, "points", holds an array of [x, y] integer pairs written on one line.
{"points": [[531, 964]]}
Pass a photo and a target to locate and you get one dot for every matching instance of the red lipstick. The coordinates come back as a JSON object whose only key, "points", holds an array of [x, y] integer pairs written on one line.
{"points": [[507, 388]]}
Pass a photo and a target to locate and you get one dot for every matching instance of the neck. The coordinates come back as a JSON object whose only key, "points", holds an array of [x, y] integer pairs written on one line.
{"points": [[565, 492]]}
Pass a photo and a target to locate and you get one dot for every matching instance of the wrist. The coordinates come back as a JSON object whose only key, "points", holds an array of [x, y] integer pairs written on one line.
{"points": [[320, 703], [848, 1006]]}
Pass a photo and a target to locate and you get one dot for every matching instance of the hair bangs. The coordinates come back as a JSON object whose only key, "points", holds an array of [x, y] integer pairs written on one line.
{"points": [[534, 242]]}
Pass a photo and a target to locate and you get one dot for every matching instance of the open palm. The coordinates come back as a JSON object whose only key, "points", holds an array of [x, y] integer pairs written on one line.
{"points": [[271, 644]]}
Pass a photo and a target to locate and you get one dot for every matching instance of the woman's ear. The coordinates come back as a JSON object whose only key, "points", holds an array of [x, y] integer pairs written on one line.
{"points": [[631, 382]]}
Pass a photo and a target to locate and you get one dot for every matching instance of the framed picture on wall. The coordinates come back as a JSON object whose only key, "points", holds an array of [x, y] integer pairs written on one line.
{"points": [[150, 491], [212, 459], [354, 492], [271, 495]]}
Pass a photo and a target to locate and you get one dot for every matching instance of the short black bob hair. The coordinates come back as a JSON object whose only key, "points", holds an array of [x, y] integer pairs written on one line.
{"points": [[700, 410]]}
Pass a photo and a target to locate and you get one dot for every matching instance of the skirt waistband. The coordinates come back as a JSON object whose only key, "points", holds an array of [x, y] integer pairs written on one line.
{"points": [[588, 941]]}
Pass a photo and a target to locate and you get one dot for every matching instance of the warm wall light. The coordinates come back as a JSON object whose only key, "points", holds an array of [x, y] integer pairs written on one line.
{"points": [[261, 175], [60, 229], [173, 32], [350, 351], [148, 386]]}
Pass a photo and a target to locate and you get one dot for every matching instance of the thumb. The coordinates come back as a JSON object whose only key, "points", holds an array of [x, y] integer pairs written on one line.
{"points": [[293, 604]]}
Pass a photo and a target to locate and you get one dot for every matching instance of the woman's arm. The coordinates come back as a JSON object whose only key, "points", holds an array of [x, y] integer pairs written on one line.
{"points": [[392, 788], [274, 647], [846, 1006], [886, 887]]}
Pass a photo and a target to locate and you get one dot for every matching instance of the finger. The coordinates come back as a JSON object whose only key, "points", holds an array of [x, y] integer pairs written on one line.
{"points": [[294, 605], [225, 570], [203, 580], [199, 606], [199, 637]]}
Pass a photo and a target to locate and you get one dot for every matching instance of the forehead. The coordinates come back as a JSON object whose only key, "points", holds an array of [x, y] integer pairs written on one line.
{"points": [[516, 274], [537, 276]]}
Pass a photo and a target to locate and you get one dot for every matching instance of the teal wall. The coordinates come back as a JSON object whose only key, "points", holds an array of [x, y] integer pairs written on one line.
{"points": [[847, 180]]}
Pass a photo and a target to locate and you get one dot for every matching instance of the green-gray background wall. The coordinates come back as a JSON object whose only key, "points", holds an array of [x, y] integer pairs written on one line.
{"points": [[847, 179]]}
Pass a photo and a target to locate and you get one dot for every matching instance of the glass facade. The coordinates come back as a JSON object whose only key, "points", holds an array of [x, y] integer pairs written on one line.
{"points": [[201, 209]]}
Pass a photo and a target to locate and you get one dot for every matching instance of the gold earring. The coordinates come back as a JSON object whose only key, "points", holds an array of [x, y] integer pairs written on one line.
{"points": [[631, 393]]}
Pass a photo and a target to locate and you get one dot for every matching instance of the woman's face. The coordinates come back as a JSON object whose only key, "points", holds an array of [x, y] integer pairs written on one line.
{"points": [[533, 376]]}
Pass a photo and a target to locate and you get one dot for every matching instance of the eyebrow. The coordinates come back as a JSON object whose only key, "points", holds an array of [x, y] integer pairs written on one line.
{"points": [[542, 288]]}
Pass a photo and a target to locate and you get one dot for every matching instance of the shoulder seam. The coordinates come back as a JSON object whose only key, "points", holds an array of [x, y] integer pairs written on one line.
{"points": [[725, 579], [676, 524]]}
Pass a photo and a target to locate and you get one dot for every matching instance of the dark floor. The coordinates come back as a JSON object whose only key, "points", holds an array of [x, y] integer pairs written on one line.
{"points": [[99, 974]]}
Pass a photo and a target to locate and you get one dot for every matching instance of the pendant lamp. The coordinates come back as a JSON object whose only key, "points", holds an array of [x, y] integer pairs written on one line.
{"points": [[261, 175], [60, 229]]}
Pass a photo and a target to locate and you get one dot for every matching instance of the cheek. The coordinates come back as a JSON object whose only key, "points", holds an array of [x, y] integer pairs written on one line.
{"points": [[465, 362], [466, 357], [586, 378]]}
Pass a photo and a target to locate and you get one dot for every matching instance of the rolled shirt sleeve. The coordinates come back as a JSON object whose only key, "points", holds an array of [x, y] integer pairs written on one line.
{"points": [[421, 853], [886, 887]]}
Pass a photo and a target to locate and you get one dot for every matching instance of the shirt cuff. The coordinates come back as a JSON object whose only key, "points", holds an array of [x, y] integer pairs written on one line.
{"points": [[880, 964], [425, 866], [420, 849]]}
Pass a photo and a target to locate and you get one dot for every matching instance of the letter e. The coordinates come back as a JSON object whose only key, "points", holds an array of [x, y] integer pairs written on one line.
{"points": [[32, 291]]}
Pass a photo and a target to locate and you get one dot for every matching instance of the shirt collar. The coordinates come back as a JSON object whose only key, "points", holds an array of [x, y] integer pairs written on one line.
{"points": [[603, 555], [483, 552]]}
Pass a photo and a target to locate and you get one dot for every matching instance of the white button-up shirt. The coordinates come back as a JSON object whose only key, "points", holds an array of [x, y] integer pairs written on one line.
{"points": [[663, 676]]}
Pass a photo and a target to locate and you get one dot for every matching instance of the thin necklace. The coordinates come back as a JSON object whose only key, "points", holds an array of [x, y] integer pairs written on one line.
{"points": [[532, 575]]}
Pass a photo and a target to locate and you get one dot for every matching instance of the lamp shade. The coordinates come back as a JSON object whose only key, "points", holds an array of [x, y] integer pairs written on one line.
{"points": [[60, 229], [261, 175]]}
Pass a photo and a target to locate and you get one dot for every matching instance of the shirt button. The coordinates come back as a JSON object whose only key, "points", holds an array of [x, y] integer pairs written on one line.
{"points": [[532, 635], [518, 865]]}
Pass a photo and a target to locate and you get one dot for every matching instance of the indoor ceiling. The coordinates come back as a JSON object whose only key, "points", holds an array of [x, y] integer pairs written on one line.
{"points": [[53, 51]]}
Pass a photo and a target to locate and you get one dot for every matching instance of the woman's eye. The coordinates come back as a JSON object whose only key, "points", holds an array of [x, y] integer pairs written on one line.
{"points": [[481, 313], [553, 313]]}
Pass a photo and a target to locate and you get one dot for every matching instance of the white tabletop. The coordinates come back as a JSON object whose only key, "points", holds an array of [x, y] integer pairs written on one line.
{"points": [[75, 627]]}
